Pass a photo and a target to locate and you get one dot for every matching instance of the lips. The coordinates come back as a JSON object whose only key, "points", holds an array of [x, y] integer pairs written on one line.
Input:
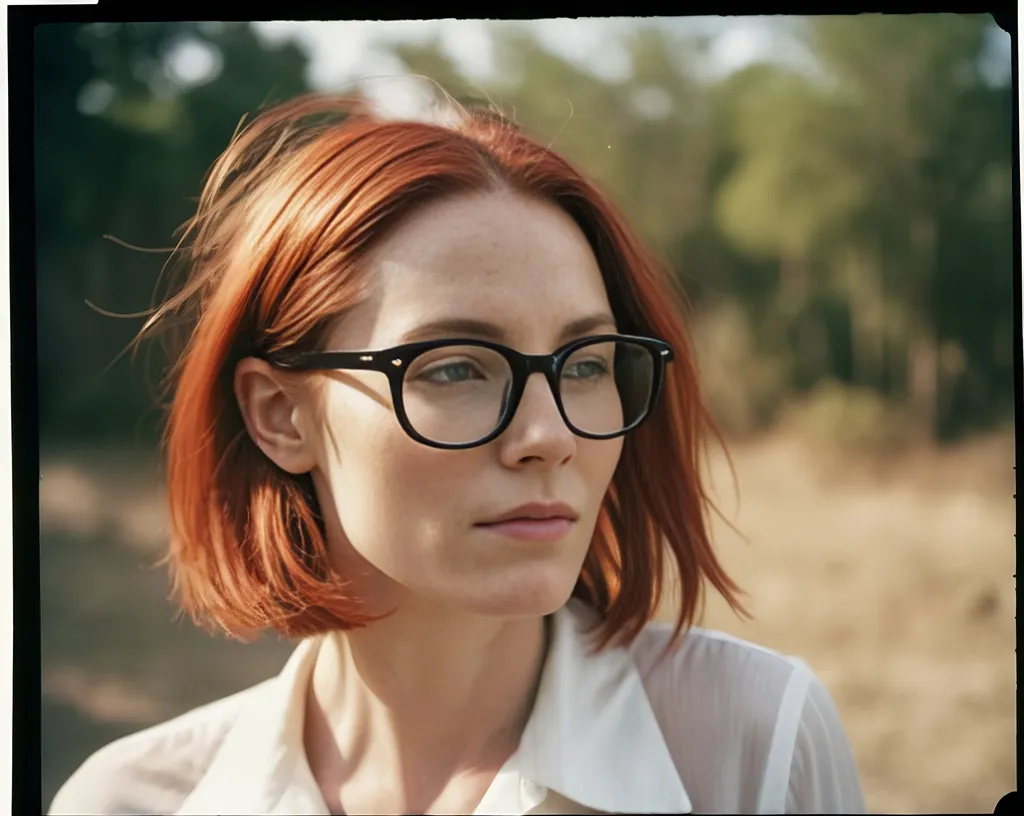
{"points": [[534, 522], [536, 511]]}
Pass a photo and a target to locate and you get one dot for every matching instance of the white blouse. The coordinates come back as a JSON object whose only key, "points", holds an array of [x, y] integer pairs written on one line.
{"points": [[718, 726]]}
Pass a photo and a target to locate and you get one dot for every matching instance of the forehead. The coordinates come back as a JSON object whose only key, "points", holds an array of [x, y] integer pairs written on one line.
{"points": [[500, 257]]}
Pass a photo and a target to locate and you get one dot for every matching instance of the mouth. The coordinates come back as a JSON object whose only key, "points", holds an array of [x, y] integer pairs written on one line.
{"points": [[534, 522]]}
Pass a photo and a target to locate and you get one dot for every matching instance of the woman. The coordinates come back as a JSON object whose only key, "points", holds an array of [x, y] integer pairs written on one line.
{"points": [[439, 420]]}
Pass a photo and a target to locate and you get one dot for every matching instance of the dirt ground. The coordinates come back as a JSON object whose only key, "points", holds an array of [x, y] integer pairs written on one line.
{"points": [[892, 576]]}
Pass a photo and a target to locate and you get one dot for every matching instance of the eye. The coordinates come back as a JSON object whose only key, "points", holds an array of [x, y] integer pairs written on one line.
{"points": [[451, 372], [585, 369]]}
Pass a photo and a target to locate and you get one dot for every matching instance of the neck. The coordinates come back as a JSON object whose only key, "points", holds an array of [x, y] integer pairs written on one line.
{"points": [[421, 698]]}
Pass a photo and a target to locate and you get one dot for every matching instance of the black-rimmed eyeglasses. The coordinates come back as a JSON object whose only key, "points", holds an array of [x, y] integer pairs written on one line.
{"points": [[458, 393]]}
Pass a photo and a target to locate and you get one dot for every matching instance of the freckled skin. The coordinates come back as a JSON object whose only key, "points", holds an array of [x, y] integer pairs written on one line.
{"points": [[400, 514]]}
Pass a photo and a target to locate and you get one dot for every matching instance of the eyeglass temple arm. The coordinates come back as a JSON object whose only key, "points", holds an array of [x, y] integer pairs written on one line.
{"points": [[370, 361]]}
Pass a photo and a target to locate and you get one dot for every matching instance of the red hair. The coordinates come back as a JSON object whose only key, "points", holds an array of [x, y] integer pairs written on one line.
{"points": [[288, 211]]}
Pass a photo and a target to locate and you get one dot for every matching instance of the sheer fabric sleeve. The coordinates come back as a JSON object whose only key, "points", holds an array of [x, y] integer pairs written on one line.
{"points": [[750, 730], [823, 776]]}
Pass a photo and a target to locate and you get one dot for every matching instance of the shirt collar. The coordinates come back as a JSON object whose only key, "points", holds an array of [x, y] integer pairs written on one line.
{"points": [[592, 735], [592, 738], [254, 768]]}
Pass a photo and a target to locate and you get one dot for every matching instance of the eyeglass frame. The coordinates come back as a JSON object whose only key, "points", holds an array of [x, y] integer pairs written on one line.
{"points": [[394, 362]]}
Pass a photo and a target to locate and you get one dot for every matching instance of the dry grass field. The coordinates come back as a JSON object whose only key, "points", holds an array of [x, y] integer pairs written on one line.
{"points": [[892, 576]]}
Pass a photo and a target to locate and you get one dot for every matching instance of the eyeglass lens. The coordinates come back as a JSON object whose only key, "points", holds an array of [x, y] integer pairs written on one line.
{"points": [[458, 394]]}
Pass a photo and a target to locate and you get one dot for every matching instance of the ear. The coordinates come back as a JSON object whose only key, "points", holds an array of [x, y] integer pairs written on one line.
{"points": [[273, 416]]}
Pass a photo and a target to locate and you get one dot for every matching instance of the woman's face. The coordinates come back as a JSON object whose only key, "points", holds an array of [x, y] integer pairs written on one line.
{"points": [[404, 518]]}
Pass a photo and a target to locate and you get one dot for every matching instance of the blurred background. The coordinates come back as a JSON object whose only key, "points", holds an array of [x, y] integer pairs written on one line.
{"points": [[836, 193]]}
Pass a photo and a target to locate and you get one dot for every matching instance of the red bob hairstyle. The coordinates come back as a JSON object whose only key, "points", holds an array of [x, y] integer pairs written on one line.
{"points": [[273, 254]]}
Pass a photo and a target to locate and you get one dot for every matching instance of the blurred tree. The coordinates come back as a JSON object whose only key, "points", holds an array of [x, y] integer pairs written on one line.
{"points": [[126, 125], [867, 168]]}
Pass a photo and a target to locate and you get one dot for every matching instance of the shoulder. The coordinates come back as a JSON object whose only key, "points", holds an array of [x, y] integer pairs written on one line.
{"points": [[718, 679], [746, 722], [154, 770]]}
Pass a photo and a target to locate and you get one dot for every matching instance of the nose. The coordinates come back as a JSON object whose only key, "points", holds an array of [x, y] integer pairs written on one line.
{"points": [[537, 432]]}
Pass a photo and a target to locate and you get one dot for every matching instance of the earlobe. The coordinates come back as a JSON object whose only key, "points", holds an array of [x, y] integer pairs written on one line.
{"points": [[272, 416]]}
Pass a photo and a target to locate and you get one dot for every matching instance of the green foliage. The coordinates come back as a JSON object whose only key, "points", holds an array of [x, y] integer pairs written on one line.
{"points": [[876, 171], [131, 169], [845, 232], [784, 202]]}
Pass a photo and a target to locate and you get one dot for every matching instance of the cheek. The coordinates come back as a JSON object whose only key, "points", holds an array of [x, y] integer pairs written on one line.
{"points": [[598, 461], [392, 496]]}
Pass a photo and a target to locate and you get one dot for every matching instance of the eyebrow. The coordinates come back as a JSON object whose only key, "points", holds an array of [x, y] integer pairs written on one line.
{"points": [[469, 327]]}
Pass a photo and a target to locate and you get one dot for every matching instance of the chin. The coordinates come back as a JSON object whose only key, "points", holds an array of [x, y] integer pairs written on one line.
{"points": [[521, 597]]}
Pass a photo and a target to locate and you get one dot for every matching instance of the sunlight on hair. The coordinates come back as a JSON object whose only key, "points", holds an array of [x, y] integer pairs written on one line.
{"points": [[410, 97]]}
